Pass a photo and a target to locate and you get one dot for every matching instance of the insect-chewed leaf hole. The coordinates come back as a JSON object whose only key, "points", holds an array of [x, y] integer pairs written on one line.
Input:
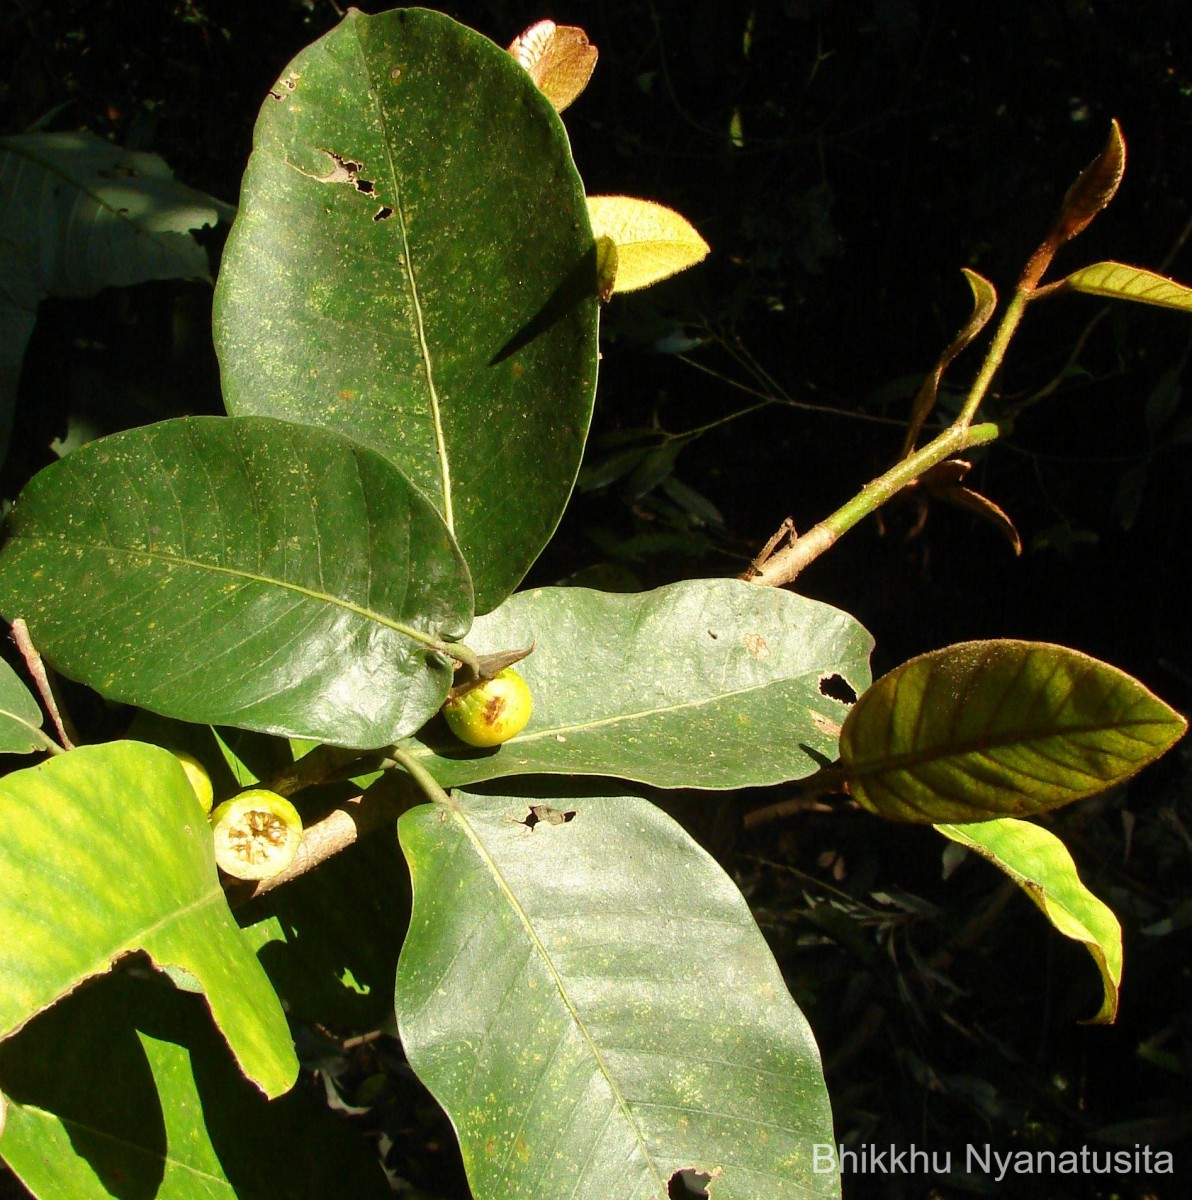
{"points": [[689, 1185], [543, 814], [836, 687]]}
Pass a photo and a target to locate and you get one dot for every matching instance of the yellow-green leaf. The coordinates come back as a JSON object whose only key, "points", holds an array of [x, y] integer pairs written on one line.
{"points": [[999, 728], [1040, 864], [559, 58], [653, 241], [103, 851], [1120, 281]]}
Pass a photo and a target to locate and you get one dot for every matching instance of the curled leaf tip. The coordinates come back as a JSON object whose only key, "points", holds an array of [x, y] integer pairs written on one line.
{"points": [[1094, 188]]}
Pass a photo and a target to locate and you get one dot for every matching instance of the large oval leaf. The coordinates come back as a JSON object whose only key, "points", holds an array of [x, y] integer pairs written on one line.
{"points": [[711, 683], [1040, 864], [123, 1090], [241, 571], [413, 265], [591, 1002], [999, 728], [104, 851]]}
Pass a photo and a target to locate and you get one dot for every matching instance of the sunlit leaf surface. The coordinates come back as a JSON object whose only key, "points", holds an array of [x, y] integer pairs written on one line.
{"points": [[707, 683], [586, 993], [413, 265], [999, 728], [241, 571], [104, 851]]}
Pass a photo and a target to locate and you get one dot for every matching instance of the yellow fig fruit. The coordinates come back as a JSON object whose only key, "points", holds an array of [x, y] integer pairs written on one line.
{"points": [[492, 712], [200, 781]]}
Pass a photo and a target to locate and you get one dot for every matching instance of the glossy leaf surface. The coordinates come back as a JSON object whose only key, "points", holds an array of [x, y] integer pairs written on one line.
{"points": [[124, 1090], [104, 851], [240, 571], [985, 729], [20, 716], [653, 242], [708, 683], [593, 1005], [1040, 864], [1120, 281], [413, 265]]}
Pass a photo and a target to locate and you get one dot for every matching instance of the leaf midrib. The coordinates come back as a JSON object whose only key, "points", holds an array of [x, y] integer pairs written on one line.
{"points": [[248, 576], [68, 1123], [415, 297], [929, 755], [421, 750], [460, 817]]}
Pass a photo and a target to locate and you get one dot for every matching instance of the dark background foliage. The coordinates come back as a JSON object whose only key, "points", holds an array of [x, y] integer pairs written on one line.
{"points": [[844, 158]]}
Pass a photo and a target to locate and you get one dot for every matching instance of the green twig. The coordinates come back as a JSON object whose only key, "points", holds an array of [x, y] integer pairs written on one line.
{"points": [[786, 564], [422, 777], [44, 680], [321, 765], [1011, 319]]}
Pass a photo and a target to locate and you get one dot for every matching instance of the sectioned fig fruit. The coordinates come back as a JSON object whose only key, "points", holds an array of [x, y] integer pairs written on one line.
{"points": [[257, 834], [492, 712]]}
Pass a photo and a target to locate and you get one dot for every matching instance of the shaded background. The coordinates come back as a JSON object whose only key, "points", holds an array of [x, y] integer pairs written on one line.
{"points": [[844, 158]]}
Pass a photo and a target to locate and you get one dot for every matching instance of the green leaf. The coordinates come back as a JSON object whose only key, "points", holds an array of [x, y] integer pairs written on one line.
{"points": [[591, 1002], [125, 1090], [79, 215], [1121, 282], [20, 716], [104, 851], [413, 265], [1040, 864], [996, 728], [241, 571], [710, 683]]}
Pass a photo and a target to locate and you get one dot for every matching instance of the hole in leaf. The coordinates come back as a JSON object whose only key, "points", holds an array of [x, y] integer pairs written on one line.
{"points": [[363, 185], [287, 85], [543, 814], [383, 213], [836, 687], [688, 1185]]}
